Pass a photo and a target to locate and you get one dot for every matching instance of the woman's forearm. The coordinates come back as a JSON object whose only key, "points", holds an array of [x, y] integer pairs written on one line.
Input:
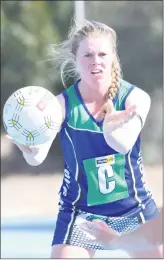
{"points": [[123, 138], [37, 156]]}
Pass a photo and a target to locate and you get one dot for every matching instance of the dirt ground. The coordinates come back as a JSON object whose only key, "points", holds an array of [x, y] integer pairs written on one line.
{"points": [[38, 195]]}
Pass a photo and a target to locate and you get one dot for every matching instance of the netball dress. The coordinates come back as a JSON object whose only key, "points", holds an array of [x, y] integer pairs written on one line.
{"points": [[98, 181]]}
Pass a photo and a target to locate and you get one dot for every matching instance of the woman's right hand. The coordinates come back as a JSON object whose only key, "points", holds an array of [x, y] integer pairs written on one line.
{"points": [[29, 150], [34, 155]]}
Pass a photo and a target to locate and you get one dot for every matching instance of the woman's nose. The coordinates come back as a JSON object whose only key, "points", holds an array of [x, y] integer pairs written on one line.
{"points": [[96, 59]]}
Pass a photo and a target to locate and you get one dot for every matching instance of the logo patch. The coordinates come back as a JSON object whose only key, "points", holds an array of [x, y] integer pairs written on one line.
{"points": [[101, 161]]}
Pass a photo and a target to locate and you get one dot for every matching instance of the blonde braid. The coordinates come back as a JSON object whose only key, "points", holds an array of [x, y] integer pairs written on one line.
{"points": [[115, 83]]}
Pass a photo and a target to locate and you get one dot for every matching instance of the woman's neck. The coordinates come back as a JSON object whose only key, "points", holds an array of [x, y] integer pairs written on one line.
{"points": [[89, 95]]}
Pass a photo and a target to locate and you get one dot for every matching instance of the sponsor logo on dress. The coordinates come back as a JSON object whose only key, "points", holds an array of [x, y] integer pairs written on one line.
{"points": [[109, 159]]}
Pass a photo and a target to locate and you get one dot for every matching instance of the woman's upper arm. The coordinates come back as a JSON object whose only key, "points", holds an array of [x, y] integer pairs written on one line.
{"points": [[142, 101], [61, 101]]}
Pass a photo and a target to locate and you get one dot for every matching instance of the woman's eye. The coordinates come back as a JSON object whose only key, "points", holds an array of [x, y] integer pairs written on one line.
{"points": [[87, 55], [102, 54]]}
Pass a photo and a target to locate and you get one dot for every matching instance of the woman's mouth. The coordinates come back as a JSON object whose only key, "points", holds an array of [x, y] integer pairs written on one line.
{"points": [[96, 72]]}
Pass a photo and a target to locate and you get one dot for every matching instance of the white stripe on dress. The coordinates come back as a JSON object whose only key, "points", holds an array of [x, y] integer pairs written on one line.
{"points": [[142, 217], [88, 130], [134, 181]]}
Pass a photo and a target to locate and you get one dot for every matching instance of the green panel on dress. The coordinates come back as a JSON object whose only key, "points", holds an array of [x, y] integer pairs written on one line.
{"points": [[79, 118], [106, 179]]}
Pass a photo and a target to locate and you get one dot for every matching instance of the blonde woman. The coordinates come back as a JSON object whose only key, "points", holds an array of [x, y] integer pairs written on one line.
{"points": [[103, 116]]}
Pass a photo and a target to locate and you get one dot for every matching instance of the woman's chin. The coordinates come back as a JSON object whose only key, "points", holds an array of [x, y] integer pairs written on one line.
{"points": [[100, 82]]}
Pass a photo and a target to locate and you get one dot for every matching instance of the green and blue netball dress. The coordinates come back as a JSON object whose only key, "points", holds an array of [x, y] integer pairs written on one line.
{"points": [[98, 181]]}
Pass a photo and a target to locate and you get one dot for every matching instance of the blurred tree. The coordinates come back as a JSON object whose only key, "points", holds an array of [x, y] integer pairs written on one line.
{"points": [[138, 25], [28, 28]]}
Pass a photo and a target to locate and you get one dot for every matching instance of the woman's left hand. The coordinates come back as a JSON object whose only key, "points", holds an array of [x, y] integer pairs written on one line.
{"points": [[115, 119]]}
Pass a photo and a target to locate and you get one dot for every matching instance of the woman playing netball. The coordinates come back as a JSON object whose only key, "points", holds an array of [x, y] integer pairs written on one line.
{"points": [[103, 116]]}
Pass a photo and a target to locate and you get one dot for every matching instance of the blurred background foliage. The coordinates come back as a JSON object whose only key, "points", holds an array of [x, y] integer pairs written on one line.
{"points": [[29, 27]]}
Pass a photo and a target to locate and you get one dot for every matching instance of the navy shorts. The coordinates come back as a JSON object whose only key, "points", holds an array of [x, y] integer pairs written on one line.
{"points": [[67, 230]]}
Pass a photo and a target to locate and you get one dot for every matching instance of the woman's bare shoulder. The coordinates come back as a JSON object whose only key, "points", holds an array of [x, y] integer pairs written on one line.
{"points": [[61, 101]]}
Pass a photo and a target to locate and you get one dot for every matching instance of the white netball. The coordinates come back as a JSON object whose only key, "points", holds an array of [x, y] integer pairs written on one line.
{"points": [[32, 115]]}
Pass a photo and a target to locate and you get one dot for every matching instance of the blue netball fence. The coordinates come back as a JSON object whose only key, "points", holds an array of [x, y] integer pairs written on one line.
{"points": [[32, 237]]}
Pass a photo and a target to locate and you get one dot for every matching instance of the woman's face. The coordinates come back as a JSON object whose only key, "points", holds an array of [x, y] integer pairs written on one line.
{"points": [[94, 61]]}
